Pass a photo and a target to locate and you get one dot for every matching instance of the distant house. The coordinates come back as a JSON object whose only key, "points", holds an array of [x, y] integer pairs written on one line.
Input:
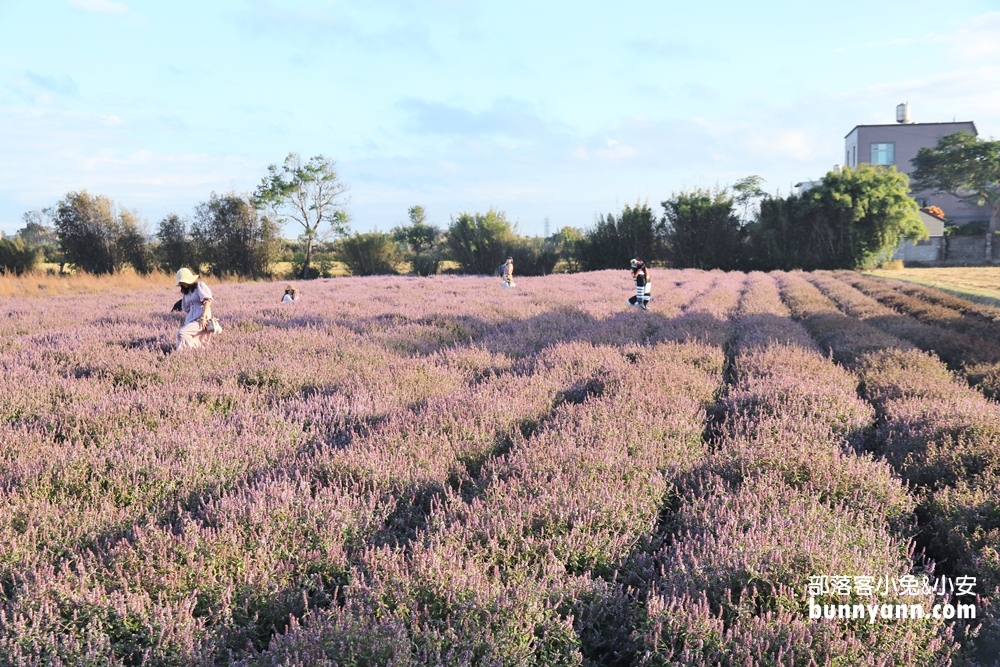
{"points": [[897, 144]]}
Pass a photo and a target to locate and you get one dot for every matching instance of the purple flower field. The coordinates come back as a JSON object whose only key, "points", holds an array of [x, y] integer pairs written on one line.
{"points": [[405, 471]]}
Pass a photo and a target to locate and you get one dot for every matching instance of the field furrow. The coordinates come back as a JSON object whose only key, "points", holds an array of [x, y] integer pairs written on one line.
{"points": [[969, 338], [783, 496], [526, 562], [942, 436]]}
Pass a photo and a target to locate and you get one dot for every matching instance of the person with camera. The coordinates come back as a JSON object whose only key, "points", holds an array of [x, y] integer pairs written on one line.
{"points": [[196, 303], [640, 274]]}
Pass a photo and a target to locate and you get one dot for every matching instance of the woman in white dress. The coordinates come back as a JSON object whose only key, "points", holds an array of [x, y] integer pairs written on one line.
{"points": [[196, 303]]}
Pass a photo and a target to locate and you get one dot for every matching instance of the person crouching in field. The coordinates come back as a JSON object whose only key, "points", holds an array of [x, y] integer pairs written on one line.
{"points": [[508, 272], [640, 274], [196, 302], [290, 294]]}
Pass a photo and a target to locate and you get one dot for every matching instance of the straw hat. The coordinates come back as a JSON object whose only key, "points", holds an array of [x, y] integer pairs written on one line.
{"points": [[186, 276]]}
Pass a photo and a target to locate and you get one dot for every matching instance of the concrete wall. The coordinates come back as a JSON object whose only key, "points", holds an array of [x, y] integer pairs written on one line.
{"points": [[965, 250], [921, 252], [950, 251]]}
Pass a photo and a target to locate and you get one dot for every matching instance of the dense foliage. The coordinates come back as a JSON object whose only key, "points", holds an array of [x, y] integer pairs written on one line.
{"points": [[174, 247], [98, 238], [18, 257], [369, 254], [230, 236], [424, 242], [479, 242], [703, 231], [616, 239], [965, 166], [853, 219]]}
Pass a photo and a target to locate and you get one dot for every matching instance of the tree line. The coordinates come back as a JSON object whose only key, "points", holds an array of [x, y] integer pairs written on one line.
{"points": [[852, 218]]}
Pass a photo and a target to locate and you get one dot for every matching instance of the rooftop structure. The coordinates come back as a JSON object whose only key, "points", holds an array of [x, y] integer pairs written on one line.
{"points": [[897, 144]]}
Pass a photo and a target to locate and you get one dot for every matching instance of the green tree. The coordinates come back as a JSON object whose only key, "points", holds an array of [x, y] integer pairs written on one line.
{"points": [[614, 240], [369, 254], [703, 230], [311, 194], [853, 219], [174, 248], [37, 231], [479, 242], [18, 257], [423, 242], [97, 238], [231, 236], [747, 195], [533, 255], [964, 166], [566, 243], [132, 244]]}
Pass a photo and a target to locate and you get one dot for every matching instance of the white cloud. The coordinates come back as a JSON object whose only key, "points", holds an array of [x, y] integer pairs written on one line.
{"points": [[795, 144], [976, 42], [100, 6], [51, 152]]}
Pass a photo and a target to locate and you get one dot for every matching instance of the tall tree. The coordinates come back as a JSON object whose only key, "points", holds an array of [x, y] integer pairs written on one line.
{"points": [[614, 240], [87, 229], [174, 248], [703, 230], [479, 242], [311, 194], [422, 240], [747, 195], [964, 166], [97, 238], [132, 245], [851, 220], [232, 236]]}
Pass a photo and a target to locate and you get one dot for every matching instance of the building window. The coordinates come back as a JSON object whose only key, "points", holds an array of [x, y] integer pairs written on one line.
{"points": [[883, 154]]}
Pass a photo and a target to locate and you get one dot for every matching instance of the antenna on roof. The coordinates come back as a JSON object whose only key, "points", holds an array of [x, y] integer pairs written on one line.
{"points": [[903, 112]]}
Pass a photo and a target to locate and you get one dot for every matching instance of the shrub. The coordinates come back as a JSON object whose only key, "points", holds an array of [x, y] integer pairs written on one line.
{"points": [[369, 254], [533, 256], [17, 257], [479, 242]]}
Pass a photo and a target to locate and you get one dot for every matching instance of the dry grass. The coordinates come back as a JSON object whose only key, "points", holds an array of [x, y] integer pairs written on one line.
{"points": [[41, 284], [978, 283]]}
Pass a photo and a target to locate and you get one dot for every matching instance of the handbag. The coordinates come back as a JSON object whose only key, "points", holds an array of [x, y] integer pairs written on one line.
{"points": [[214, 326]]}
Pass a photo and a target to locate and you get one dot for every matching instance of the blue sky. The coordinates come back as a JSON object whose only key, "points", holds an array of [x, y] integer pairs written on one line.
{"points": [[558, 110]]}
